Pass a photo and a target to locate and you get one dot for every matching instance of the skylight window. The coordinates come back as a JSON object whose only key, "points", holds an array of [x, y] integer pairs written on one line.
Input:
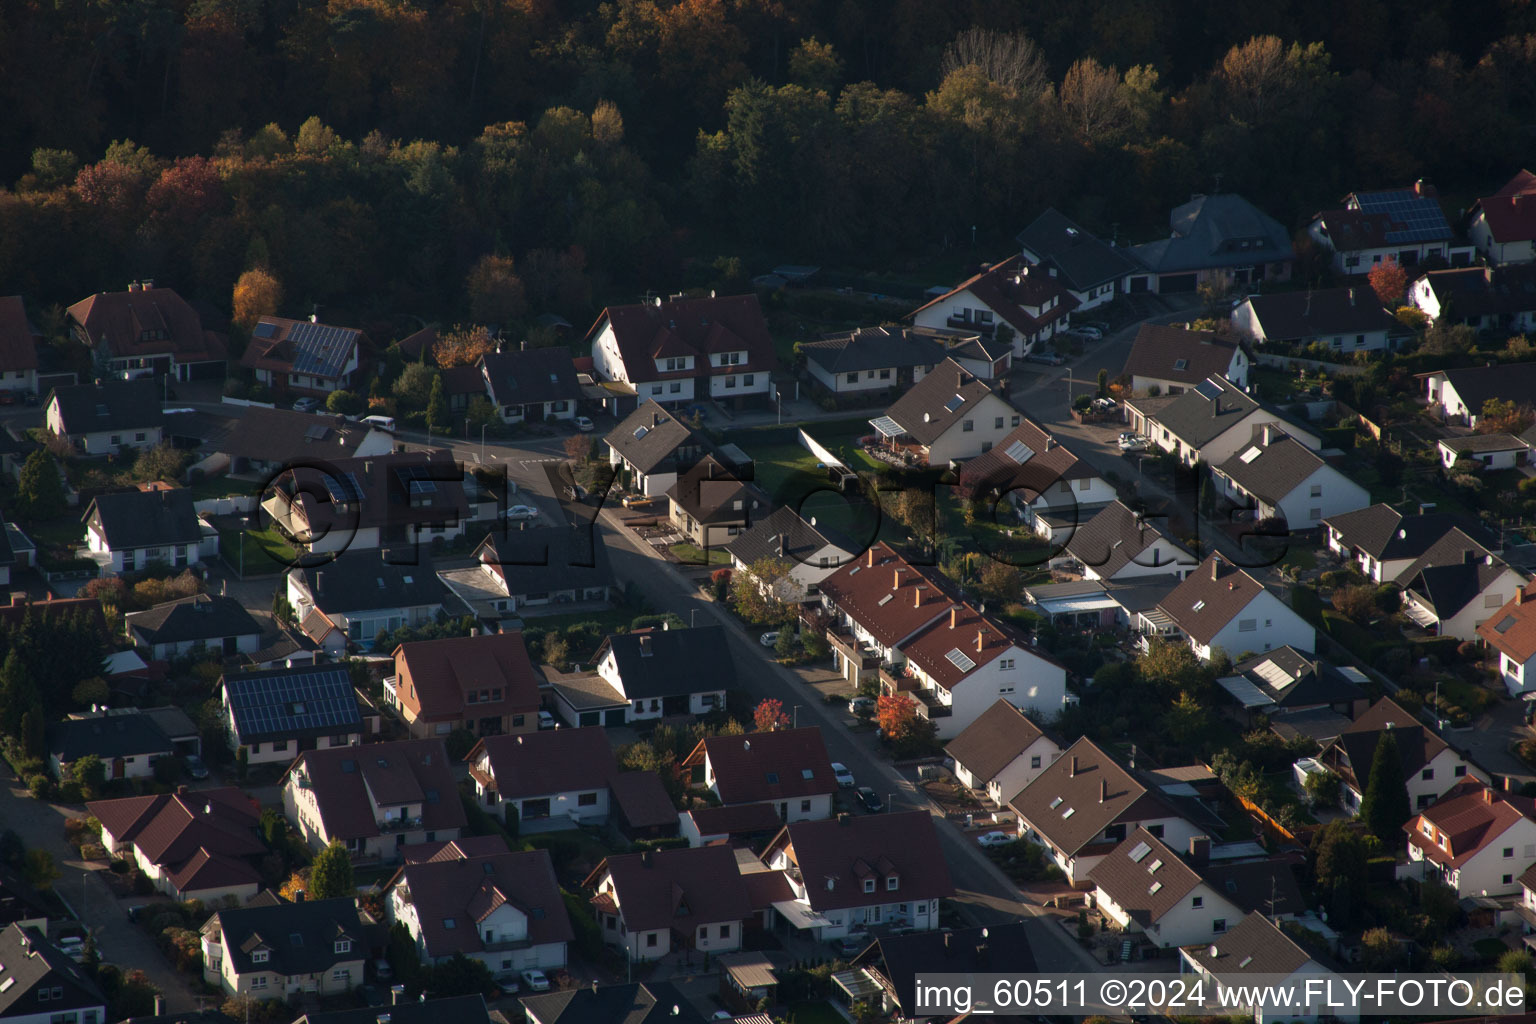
{"points": [[773, 778], [1199, 604], [1152, 868], [448, 923], [1055, 803], [1245, 962], [1152, 889], [886, 600], [1181, 364], [641, 432], [806, 773], [1019, 452], [1140, 853], [1068, 813], [954, 403], [1505, 624], [1251, 454], [5, 986], [960, 660]]}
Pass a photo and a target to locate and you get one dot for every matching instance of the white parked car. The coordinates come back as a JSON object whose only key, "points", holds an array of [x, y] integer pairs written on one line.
{"points": [[583, 423], [1131, 443], [1091, 333], [535, 981], [769, 639], [995, 839], [521, 512], [843, 776]]}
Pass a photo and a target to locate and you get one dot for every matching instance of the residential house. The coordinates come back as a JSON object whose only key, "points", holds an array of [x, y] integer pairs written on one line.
{"points": [[1345, 320], [266, 442], [949, 414], [650, 447], [1475, 839], [645, 808], [787, 768], [1169, 359], [783, 536], [395, 500], [1220, 607], [532, 567], [1084, 804], [663, 673], [889, 967], [658, 902], [872, 362], [18, 347], [1404, 225], [1483, 451], [1100, 604], [850, 873], [1012, 301], [1511, 632], [132, 530], [461, 385], [193, 844], [1257, 950], [1384, 543], [503, 909], [100, 419], [482, 684], [1461, 394], [682, 350], [554, 779], [1486, 298], [1286, 682], [376, 800], [276, 714], [459, 1009], [1457, 586], [127, 740], [1119, 544], [1001, 752], [1144, 887], [1214, 238], [1503, 225], [1092, 270], [531, 385], [1210, 423], [651, 1002], [148, 330], [200, 623], [358, 595], [1281, 478], [41, 984], [737, 825], [1430, 765], [710, 503], [278, 949], [1052, 489], [305, 357]]}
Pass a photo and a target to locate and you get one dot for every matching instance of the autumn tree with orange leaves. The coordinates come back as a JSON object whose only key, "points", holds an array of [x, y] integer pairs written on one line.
{"points": [[1389, 281], [769, 715], [462, 346], [257, 294]]}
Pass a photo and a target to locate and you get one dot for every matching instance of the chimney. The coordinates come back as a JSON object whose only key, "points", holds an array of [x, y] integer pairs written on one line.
{"points": [[1103, 790], [645, 858], [1215, 569], [783, 545], [981, 640], [917, 596], [1469, 557], [1199, 849], [1073, 774], [954, 616], [871, 562], [396, 994], [181, 790], [895, 579], [1418, 187], [1351, 297], [1488, 795], [159, 1004], [947, 936], [1523, 595], [298, 895], [1269, 434], [645, 646], [843, 818], [319, 583], [959, 378]]}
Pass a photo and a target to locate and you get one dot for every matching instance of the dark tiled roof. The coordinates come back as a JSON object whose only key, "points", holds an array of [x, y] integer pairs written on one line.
{"points": [[539, 560], [670, 662], [282, 435], [29, 963], [107, 736], [199, 617], [349, 781], [1094, 787], [654, 1002], [1006, 288], [998, 948], [1457, 546], [1197, 420], [1295, 679], [1144, 877], [735, 819], [676, 889], [1170, 352], [1386, 534], [990, 743], [1447, 589], [1268, 886], [193, 835], [444, 671], [458, 1009], [1270, 472], [18, 348], [531, 376], [713, 492], [147, 322], [145, 519], [1255, 946], [113, 405], [1083, 260], [696, 327], [453, 896], [383, 491], [784, 534], [455, 849], [1484, 443], [1294, 316], [1476, 384], [1046, 462], [1210, 597], [836, 856], [648, 437], [361, 581], [542, 763], [875, 348], [300, 938], [940, 400], [1210, 231], [886, 595], [1116, 537], [643, 800], [1417, 746], [767, 766], [980, 639]]}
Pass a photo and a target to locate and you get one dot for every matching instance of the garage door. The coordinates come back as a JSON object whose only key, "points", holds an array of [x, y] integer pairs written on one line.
{"points": [[1176, 283], [614, 716], [1141, 284]]}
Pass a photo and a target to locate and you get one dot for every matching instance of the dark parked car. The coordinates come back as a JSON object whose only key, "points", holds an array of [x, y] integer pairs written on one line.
{"points": [[870, 799]]}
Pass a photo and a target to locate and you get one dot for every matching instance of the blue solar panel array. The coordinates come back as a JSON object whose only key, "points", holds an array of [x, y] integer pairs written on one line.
{"points": [[285, 703], [1414, 218], [344, 489], [416, 479], [264, 330], [319, 350]]}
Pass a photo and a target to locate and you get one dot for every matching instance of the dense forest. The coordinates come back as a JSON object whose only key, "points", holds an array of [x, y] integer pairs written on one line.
{"points": [[392, 159]]}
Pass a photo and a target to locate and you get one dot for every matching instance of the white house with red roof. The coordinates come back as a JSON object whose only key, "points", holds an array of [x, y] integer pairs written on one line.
{"points": [[787, 769], [1477, 840], [1503, 225], [1022, 302], [1220, 607], [1511, 631], [192, 845], [680, 350]]}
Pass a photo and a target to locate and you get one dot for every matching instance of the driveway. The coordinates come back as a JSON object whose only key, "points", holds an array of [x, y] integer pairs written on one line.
{"points": [[41, 827]]}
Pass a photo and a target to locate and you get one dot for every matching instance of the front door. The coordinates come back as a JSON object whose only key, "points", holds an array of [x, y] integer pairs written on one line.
{"points": [[118, 768]]}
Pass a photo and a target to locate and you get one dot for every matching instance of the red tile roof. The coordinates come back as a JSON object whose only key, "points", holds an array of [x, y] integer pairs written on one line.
{"points": [[1469, 817], [886, 595], [147, 322], [643, 800], [977, 637], [467, 890], [348, 781], [457, 849], [193, 834], [544, 763], [444, 672], [990, 743], [735, 820], [18, 349], [837, 856], [1512, 629], [690, 326], [767, 766], [1007, 287], [1210, 597], [676, 889], [1511, 212]]}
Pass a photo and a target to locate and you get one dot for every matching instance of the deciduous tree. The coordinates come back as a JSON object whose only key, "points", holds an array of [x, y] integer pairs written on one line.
{"points": [[39, 493], [257, 294], [1389, 281], [496, 293], [1503, 416], [462, 346], [756, 592], [770, 715], [331, 875]]}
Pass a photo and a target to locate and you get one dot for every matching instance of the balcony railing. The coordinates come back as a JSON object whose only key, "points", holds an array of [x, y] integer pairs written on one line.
{"points": [[929, 705], [845, 643], [399, 824], [894, 681], [963, 324]]}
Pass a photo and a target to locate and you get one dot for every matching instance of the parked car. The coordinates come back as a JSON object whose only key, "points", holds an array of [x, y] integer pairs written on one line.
{"points": [[1045, 358], [641, 501], [870, 799], [853, 943], [583, 423], [843, 776], [546, 721], [769, 639], [1098, 325], [861, 705], [520, 512], [306, 404], [195, 767], [535, 980], [1085, 331], [384, 423], [1104, 404], [1131, 443], [995, 839]]}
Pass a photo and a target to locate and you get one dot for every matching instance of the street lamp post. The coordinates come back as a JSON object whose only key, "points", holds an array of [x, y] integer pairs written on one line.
{"points": [[795, 715], [482, 442]]}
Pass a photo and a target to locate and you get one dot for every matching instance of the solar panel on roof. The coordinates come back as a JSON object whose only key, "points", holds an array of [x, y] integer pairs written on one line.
{"points": [[1019, 452], [960, 660], [320, 350], [291, 703], [264, 330], [416, 479], [1414, 218], [316, 432], [1208, 389], [343, 488]]}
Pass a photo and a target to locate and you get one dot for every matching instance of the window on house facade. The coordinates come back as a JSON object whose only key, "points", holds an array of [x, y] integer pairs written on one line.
{"points": [[1219, 925], [853, 378], [1460, 771], [805, 806], [260, 981], [587, 800], [1317, 490], [997, 423], [725, 931], [650, 939], [656, 388], [1005, 664], [885, 374], [869, 885], [1247, 625], [1197, 902], [746, 380], [1015, 421], [968, 426], [1034, 762], [1427, 774]]}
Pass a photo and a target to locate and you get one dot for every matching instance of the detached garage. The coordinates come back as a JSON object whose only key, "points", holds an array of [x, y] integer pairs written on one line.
{"points": [[586, 700]]}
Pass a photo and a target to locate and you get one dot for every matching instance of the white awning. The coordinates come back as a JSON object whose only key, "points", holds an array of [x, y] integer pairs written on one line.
{"points": [[857, 983], [1077, 603], [1245, 692], [886, 426], [801, 915]]}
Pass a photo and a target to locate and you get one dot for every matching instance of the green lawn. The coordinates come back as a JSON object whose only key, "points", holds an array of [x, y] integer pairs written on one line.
{"points": [[690, 554], [612, 620], [788, 473], [265, 551]]}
